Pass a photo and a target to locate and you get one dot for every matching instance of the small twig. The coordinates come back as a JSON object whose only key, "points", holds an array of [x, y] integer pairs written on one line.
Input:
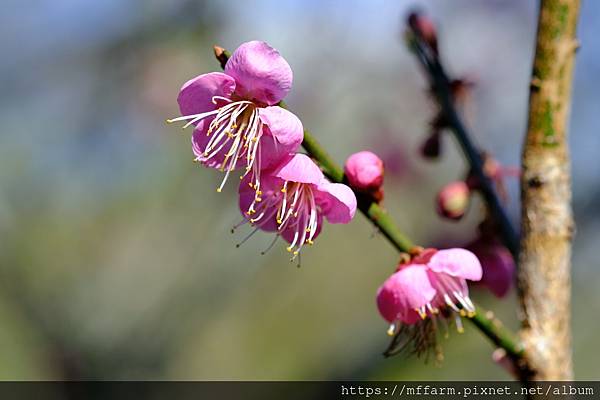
{"points": [[441, 88], [491, 328]]}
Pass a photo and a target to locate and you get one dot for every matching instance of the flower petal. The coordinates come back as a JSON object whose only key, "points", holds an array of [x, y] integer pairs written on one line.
{"points": [[260, 72], [498, 265], [456, 262], [403, 292], [283, 125], [337, 201], [196, 95], [283, 134], [447, 286], [300, 168]]}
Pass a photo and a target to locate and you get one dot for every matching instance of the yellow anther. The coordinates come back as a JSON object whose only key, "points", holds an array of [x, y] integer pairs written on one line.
{"points": [[289, 249], [257, 199], [283, 190], [218, 190], [296, 252], [310, 242], [462, 313], [279, 221], [391, 330], [471, 314], [460, 329]]}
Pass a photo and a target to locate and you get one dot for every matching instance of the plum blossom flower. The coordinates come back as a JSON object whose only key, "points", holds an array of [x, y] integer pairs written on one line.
{"points": [[497, 262], [294, 199], [431, 284], [364, 171], [237, 123]]}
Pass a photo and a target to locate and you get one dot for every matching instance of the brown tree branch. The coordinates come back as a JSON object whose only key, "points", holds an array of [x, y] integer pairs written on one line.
{"points": [[441, 89], [547, 223]]}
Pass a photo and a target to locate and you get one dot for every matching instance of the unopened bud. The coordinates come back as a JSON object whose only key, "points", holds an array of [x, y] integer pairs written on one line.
{"points": [[364, 171], [453, 200]]}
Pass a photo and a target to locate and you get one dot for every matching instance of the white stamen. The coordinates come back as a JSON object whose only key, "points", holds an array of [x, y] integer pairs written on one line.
{"points": [[236, 131]]}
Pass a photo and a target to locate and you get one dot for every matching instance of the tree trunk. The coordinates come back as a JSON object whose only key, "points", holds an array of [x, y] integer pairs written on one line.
{"points": [[547, 223]]}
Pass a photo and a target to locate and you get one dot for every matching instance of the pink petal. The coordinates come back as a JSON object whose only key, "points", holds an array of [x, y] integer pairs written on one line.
{"points": [[300, 168], [337, 201], [196, 95], [498, 266], [456, 262], [403, 292], [260, 72], [283, 134], [270, 187], [445, 284], [283, 125]]}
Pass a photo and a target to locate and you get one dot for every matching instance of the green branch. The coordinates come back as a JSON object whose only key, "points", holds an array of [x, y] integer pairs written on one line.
{"points": [[490, 327]]}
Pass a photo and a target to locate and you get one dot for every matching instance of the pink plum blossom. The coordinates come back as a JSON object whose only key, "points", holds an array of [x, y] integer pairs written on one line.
{"points": [[498, 265], [364, 171], [433, 282], [293, 200], [236, 119]]}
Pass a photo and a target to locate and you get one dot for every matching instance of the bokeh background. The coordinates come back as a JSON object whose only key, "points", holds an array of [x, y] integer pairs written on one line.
{"points": [[116, 256]]}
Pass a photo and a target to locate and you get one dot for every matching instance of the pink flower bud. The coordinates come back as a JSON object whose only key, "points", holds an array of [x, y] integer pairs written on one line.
{"points": [[498, 265], [364, 171], [453, 200]]}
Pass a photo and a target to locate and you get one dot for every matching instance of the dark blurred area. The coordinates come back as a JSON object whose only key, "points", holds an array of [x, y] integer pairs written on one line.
{"points": [[116, 256]]}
